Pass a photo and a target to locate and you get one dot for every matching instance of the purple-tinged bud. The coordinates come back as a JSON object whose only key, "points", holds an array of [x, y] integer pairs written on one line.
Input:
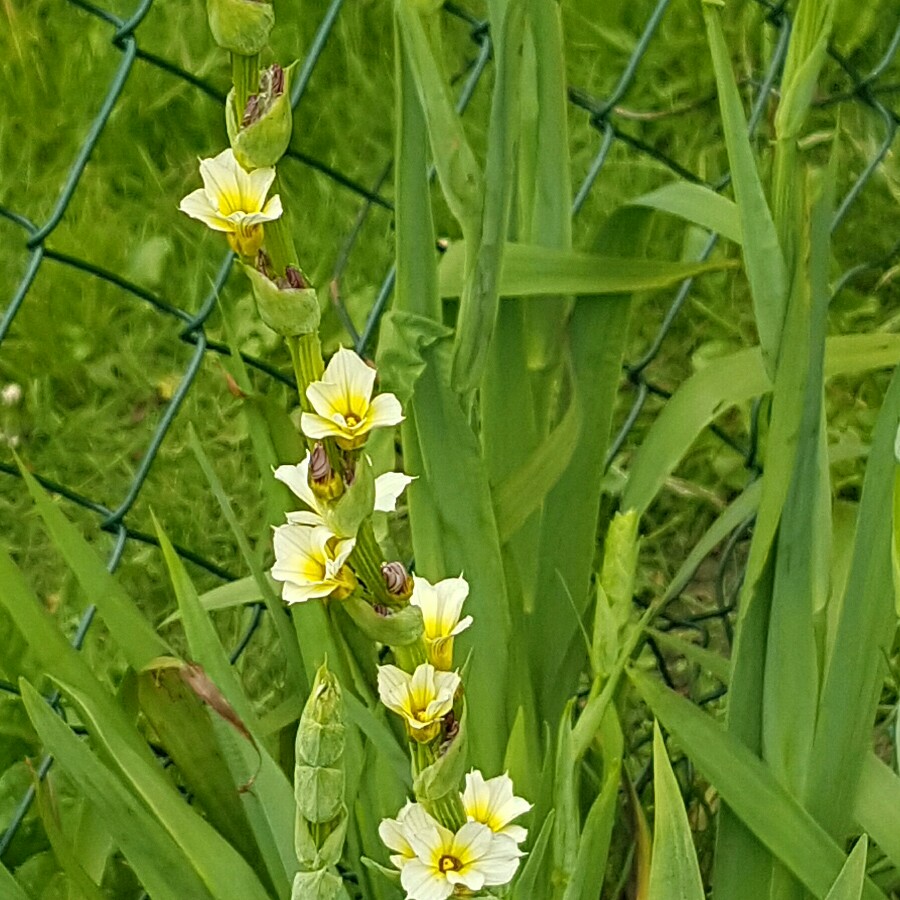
{"points": [[323, 480], [397, 580], [293, 278]]}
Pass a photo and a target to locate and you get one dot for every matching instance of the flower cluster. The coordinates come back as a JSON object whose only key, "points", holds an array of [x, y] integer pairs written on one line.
{"points": [[435, 862], [313, 548]]}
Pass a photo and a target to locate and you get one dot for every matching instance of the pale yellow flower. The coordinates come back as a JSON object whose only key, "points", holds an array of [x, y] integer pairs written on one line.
{"points": [[343, 403], [494, 804], [441, 605], [311, 562], [460, 864], [393, 831], [422, 699], [233, 200], [388, 488]]}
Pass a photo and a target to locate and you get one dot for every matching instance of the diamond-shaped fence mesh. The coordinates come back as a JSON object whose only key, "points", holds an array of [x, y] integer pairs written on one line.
{"points": [[630, 136]]}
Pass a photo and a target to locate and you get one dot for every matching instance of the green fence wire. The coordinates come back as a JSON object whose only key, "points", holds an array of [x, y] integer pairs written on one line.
{"points": [[872, 90]]}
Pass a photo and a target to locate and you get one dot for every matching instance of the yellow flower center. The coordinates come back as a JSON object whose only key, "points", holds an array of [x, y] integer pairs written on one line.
{"points": [[352, 420], [449, 864]]}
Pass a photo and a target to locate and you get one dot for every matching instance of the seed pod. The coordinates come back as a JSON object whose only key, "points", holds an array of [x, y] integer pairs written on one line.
{"points": [[240, 26], [261, 132], [288, 311]]}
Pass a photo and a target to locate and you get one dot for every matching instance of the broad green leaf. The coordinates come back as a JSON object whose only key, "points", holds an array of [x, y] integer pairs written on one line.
{"points": [[132, 632], [698, 204], [160, 860], [849, 884], [530, 271], [763, 257], [746, 784], [876, 805], [9, 887], [674, 872], [724, 383]]}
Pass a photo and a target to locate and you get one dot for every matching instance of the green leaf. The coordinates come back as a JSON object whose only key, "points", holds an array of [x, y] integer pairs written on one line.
{"points": [[269, 805], [673, 871], [9, 887], [863, 638], [132, 632], [746, 784], [849, 884], [227, 596], [531, 270], [698, 204], [160, 860], [724, 383], [523, 491], [763, 257], [532, 870], [876, 806], [286, 636], [708, 660]]}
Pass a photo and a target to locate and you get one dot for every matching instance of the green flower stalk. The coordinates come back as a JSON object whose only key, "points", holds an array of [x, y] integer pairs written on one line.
{"points": [[321, 820]]}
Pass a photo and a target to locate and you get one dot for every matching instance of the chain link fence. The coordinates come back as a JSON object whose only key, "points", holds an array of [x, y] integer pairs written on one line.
{"points": [[615, 127]]}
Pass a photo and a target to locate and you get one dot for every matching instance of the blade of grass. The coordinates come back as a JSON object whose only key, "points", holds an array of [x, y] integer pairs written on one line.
{"points": [[862, 640], [479, 299]]}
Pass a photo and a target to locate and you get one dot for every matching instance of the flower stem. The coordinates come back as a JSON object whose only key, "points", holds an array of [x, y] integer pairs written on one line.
{"points": [[366, 559], [448, 810], [245, 74], [279, 241]]}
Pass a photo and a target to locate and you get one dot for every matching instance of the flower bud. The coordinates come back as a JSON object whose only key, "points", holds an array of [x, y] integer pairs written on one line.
{"points": [[324, 482], [288, 311], [356, 504], [397, 580], [261, 131], [11, 395], [241, 26], [318, 885]]}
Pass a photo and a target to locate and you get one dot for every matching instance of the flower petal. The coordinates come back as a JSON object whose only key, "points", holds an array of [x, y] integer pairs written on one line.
{"points": [[224, 178], [354, 378], [385, 410], [258, 183], [302, 517], [421, 882], [197, 206], [388, 488], [317, 427], [297, 479]]}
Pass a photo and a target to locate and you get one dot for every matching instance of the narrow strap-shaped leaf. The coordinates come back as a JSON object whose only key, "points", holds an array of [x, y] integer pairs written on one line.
{"points": [[159, 860], [130, 629], [674, 871], [697, 204], [530, 271], [763, 258], [851, 880], [745, 782], [876, 805], [10, 888]]}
